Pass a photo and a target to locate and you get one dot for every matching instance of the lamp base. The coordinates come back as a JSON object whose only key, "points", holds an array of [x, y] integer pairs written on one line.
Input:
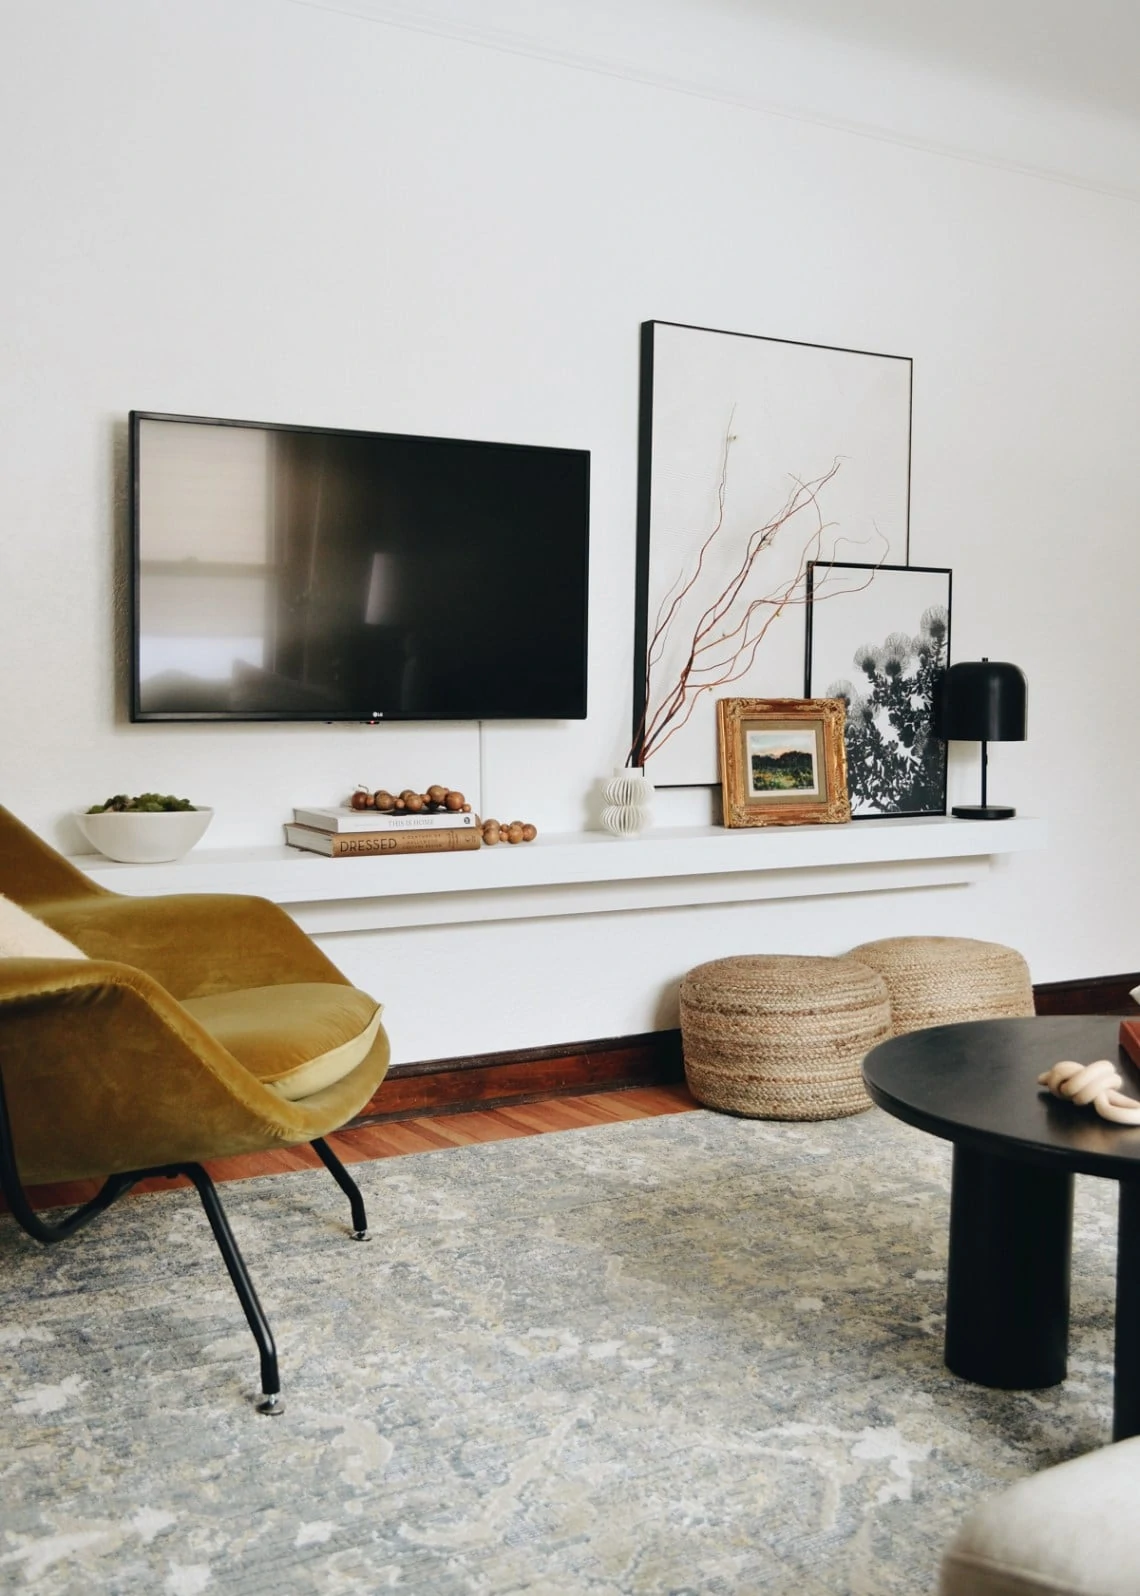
{"points": [[982, 812]]}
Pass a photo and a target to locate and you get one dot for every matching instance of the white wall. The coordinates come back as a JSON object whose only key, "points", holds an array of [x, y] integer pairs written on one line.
{"points": [[261, 209]]}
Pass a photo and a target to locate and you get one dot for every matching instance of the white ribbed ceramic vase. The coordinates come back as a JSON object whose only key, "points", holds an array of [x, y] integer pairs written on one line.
{"points": [[629, 802]]}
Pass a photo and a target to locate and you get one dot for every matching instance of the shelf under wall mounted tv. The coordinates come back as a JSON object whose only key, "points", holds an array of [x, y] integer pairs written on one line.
{"points": [[314, 574]]}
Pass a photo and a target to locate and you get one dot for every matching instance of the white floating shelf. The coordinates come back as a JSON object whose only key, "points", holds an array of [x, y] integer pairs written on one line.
{"points": [[588, 872]]}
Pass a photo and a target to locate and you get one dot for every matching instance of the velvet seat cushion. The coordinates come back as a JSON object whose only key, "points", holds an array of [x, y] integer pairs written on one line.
{"points": [[296, 1039]]}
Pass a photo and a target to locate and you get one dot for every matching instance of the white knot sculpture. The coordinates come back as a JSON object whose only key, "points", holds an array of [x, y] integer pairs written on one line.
{"points": [[1098, 1083]]}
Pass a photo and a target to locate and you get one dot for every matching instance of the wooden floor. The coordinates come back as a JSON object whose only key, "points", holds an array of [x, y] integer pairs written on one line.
{"points": [[428, 1134]]}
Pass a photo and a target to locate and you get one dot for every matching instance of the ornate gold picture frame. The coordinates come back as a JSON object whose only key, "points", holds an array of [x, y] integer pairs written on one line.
{"points": [[782, 761]]}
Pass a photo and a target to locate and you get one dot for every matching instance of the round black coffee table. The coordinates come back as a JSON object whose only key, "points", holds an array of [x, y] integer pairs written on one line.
{"points": [[1016, 1150]]}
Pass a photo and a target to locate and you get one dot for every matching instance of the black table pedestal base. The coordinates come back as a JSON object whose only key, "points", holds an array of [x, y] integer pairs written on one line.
{"points": [[1007, 1289], [1126, 1386]]}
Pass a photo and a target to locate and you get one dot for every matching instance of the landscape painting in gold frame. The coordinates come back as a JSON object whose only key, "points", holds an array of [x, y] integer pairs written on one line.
{"points": [[782, 761]]}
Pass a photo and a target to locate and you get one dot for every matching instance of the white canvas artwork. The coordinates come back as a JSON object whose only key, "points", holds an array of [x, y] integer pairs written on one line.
{"points": [[736, 429]]}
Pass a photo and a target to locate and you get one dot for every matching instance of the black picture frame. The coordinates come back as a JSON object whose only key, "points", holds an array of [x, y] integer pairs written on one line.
{"points": [[782, 369], [888, 679]]}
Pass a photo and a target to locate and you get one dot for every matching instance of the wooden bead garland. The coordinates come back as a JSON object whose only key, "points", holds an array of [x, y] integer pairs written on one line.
{"points": [[495, 831], [431, 802], [435, 800]]}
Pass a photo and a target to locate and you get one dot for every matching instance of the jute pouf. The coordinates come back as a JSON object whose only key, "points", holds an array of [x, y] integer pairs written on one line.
{"points": [[780, 1036], [942, 980]]}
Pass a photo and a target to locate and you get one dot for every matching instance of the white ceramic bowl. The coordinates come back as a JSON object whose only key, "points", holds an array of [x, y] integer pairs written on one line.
{"points": [[144, 838]]}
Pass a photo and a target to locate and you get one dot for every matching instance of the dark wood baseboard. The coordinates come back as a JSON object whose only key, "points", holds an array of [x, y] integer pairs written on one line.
{"points": [[492, 1080], [1098, 994]]}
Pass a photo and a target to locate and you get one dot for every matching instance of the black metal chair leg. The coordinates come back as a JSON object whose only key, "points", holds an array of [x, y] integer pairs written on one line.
{"points": [[243, 1285], [114, 1186], [347, 1185], [27, 1218]]}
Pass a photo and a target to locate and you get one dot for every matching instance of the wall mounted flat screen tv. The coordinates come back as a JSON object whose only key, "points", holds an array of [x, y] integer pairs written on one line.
{"points": [[303, 573]]}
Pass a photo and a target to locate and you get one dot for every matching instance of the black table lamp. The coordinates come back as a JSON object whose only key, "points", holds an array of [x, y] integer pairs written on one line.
{"points": [[983, 701]]}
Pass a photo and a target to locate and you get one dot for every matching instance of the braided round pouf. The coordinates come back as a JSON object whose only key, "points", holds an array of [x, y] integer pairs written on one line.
{"points": [[782, 1036], [942, 980]]}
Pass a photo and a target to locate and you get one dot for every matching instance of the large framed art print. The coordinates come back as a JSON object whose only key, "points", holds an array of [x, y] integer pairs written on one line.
{"points": [[757, 456]]}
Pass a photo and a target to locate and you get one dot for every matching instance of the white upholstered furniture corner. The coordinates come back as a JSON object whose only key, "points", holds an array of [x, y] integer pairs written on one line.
{"points": [[1073, 1530]]}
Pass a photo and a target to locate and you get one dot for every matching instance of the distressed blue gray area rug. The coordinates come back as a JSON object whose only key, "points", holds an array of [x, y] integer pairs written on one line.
{"points": [[690, 1355]]}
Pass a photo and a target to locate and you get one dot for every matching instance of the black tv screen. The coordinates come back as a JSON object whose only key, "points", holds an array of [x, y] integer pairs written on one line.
{"points": [[304, 573]]}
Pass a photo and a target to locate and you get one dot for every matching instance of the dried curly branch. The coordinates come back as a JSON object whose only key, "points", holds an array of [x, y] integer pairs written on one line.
{"points": [[731, 628]]}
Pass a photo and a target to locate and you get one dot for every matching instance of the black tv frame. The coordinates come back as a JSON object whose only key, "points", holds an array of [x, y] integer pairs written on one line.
{"points": [[139, 715]]}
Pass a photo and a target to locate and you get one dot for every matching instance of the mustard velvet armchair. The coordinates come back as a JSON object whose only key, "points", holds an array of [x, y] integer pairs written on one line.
{"points": [[197, 1026]]}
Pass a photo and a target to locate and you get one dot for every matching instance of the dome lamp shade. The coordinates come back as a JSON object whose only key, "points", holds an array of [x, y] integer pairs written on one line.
{"points": [[983, 701]]}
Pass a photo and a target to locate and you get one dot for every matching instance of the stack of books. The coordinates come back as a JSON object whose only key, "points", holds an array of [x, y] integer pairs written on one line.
{"points": [[358, 833]]}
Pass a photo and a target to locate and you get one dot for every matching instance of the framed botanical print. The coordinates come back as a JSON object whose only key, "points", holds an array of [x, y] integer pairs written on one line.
{"points": [[878, 637], [782, 761]]}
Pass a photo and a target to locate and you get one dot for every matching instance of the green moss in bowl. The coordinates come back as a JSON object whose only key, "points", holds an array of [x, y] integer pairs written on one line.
{"points": [[149, 829], [147, 803]]}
